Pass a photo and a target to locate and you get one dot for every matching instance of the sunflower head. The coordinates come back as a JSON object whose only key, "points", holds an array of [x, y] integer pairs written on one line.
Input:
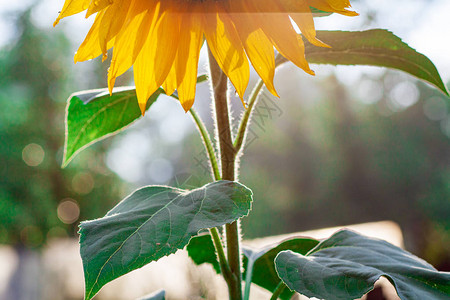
{"points": [[161, 39]]}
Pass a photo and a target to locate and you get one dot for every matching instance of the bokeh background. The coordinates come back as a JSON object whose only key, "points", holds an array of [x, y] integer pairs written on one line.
{"points": [[350, 145]]}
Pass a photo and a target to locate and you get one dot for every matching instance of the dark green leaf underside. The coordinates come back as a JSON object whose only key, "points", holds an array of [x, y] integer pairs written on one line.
{"points": [[375, 47], [264, 273], [347, 265], [201, 250], [154, 222]]}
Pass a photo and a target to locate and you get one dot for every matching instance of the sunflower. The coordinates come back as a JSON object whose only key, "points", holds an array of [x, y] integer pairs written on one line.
{"points": [[161, 39]]}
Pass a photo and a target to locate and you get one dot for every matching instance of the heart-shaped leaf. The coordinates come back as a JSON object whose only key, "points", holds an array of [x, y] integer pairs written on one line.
{"points": [[154, 222], [347, 265], [261, 262], [376, 47], [95, 114]]}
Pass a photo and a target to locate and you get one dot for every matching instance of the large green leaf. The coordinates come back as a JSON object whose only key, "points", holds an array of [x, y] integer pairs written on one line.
{"points": [[154, 222], [95, 114], [346, 266], [201, 250], [375, 47], [261, 262]]}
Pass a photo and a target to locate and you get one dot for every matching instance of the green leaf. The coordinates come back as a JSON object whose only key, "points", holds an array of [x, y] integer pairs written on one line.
{"points": [[261, 262], [201, 250], [158, 295], [377, 47], [347, 265], [94, 115], [154, 222]]}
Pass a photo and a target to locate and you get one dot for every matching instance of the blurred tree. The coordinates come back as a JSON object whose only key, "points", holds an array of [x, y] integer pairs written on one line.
{"points": [[34, 85], [329, 154], [356, 163], [39, 200]]}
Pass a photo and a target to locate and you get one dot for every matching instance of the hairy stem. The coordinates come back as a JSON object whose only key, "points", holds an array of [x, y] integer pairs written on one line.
{"points": [[278, 290], [246, 116], [224, 267], [208, 144], [227, 158], [242, 131]]}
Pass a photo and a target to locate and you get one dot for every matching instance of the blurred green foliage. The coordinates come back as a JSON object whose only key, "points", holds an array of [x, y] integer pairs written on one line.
{"points": [[34, 83], [330, 160], [322, 156]]}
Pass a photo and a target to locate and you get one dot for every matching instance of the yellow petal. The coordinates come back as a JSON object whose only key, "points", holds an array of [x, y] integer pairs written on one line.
{"points": [[146, 34], [226, 46], [156, 58], [278, 28], [72, 7], [338, 4], [141, 18], [257, 46], [112, 22], [90, 48], [191, 40], [97, 5], [300, 12], [170, 84], [331, 6]]}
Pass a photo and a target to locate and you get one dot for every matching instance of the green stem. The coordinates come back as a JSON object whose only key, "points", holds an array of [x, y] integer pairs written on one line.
{"points": [[246, 116], [224, 267], [228, 159], [238, 143], [207, 142], [242, 131], [278, 290], [248, 279]]}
